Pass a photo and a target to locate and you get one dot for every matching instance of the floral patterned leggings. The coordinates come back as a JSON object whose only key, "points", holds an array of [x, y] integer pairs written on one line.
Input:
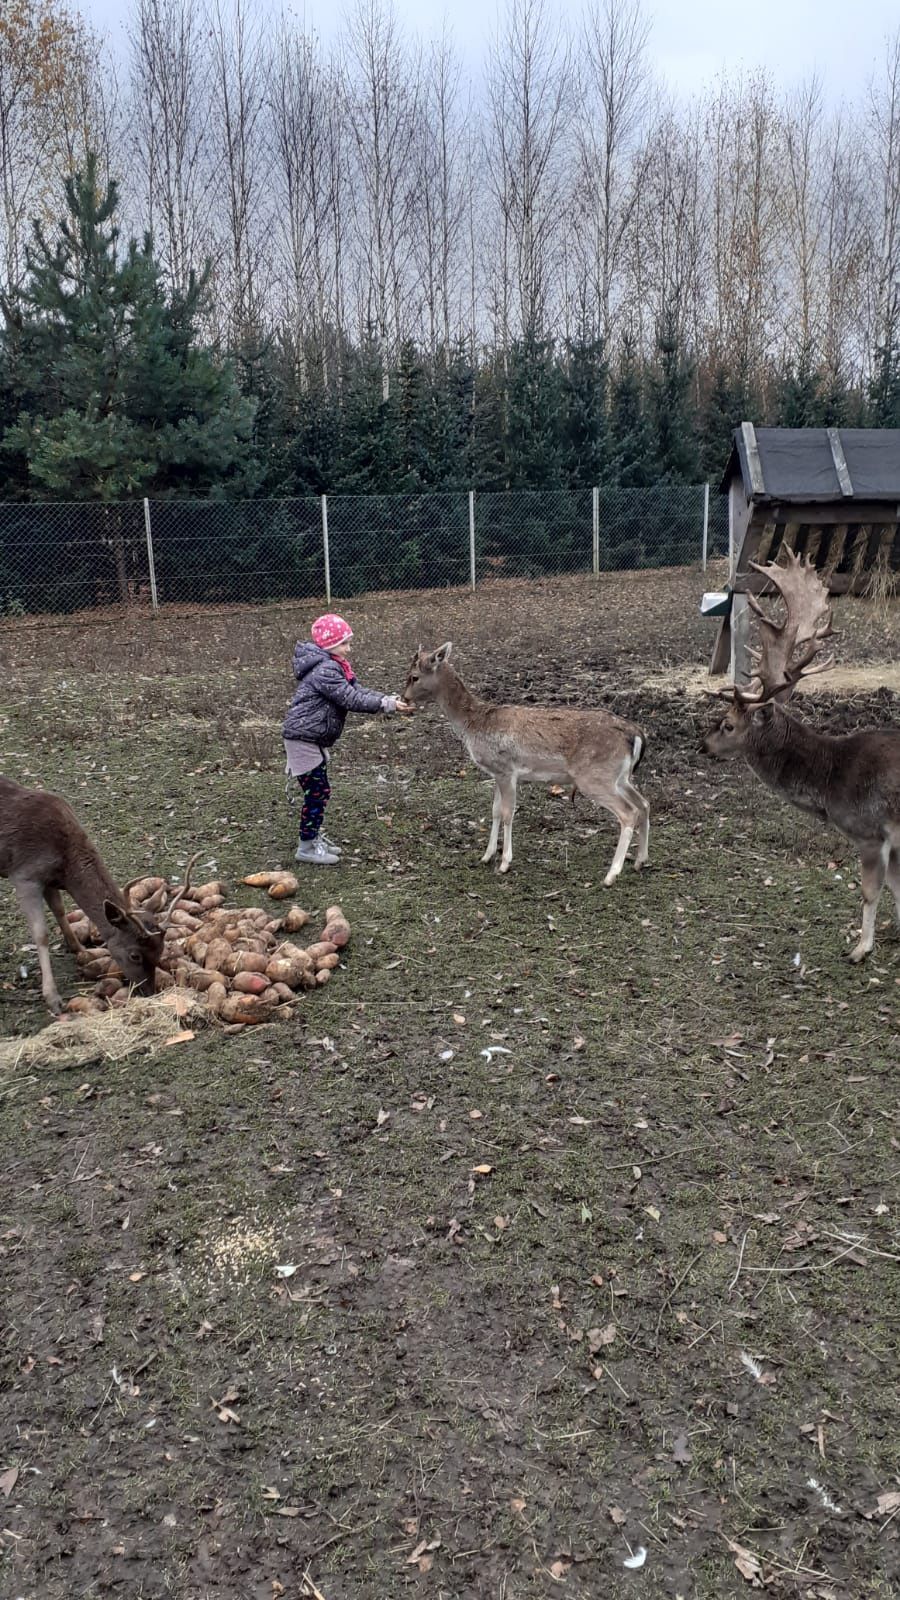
{"points": [[316, 794]]}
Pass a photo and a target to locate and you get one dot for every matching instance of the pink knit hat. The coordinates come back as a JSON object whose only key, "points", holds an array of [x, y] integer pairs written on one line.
{"points": [[330, 630]]}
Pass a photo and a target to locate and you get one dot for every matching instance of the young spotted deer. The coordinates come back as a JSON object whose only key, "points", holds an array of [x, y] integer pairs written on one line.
{"points": [[45, 850], [593, 751], [851, 780]]}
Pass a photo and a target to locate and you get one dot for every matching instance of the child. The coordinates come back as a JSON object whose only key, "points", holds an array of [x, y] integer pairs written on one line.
{"points": [[326, 690]]}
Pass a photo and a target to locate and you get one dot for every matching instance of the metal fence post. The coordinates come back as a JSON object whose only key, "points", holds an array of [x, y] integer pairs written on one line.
{"points": [[705, 524], [595, 511], [472, 538], [151, 565], [325, 548]]}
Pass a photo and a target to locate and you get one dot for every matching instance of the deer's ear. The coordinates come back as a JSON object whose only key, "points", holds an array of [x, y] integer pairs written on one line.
{"points": [[123, 921], [441, 655]]}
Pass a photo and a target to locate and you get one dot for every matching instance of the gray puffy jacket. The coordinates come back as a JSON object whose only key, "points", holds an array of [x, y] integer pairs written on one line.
{"points": [[323, 697]]}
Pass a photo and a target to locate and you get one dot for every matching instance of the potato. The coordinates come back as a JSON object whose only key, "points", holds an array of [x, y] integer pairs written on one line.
{"points": [[143, 888], [323, 948], [247, 1008], [184, 919], [285, 887], [211, 902], [335, 914], [255, 916], [216, 995], [337, 933], [251, 961], [164, 980], [283, 973], [294, 952], [250, 983], [203, 981], [261, 880], [218, 953], [81, 1005], [294, 919], [324, 976], [255, 946], [327, 963], [196, 947], [202, 891], [121, 997], [107, 987], [283, 991], [153, 904]]}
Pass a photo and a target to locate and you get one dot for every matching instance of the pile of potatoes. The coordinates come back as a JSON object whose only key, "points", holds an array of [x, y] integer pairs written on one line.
{"points": [[238, 957]]}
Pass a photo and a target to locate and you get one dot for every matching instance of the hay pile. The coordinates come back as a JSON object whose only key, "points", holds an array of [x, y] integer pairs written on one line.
{"points": [[108, 1035], [236, 957]]}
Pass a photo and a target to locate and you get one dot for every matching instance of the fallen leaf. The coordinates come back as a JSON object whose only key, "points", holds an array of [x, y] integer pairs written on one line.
{"points": [[135, 1277], [747, 1563], [617, 1515], [651, 1211], [558, 1568], [422, 1557], [382, 1118], [886, 1503], [459, 1019], [204, 1329], [271, 1494], [286, 1511], [681, 1450], [501, 1223], [180, 1038], [598, 1337], [225, 1414], [8, 1481], [518, 1506], [476, 1115], [482, 1169], [287, 1270]]}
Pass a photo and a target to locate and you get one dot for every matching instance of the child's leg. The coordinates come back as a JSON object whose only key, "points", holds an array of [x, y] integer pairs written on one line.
{"points": [[316, 793]]}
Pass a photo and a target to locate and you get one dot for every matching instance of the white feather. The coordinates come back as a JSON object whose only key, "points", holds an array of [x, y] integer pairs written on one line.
{"points": [[638, 1559]]}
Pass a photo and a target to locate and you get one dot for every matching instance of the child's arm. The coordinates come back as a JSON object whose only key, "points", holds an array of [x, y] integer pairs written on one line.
{"points": [[331, 682]]}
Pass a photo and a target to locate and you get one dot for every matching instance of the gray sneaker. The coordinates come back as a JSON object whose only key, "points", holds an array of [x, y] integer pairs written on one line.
{"points": [[316, 852], [330, 844]]}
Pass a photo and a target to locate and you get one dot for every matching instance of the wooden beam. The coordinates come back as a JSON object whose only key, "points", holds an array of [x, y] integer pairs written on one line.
{"points": [[840, 462], [827, 511], [754, 465]]}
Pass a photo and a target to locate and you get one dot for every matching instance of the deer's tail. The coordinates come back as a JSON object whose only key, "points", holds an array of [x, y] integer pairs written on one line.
{"points": [[638, 749]]}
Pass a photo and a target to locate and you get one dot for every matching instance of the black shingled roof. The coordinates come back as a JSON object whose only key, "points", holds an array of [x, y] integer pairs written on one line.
{"points": [[810, 463]]}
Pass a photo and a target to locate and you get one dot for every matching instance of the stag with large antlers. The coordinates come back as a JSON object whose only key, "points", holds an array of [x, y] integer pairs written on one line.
{"points": [[593, 751], [44, 851], [852, 780]]}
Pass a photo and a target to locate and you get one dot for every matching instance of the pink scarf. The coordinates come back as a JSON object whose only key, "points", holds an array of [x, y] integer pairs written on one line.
{"points": [[345, 667]]}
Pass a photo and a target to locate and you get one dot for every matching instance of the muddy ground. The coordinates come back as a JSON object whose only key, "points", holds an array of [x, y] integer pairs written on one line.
{"points": [[591, 1194]]}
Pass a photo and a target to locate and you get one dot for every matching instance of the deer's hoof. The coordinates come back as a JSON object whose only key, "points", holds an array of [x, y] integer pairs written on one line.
{"points": [[858, 954], [505, 866]]}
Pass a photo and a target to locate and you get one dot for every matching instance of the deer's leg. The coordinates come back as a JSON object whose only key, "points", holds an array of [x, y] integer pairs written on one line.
{"points": [[32, 903], [626, 811], [491, 850], [642, 807], [507, 812], [874, 867], [893, 875], [55, 901]]}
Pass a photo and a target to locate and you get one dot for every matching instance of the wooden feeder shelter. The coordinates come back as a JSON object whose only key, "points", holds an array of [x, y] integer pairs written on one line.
{"points": [[832, 494]]}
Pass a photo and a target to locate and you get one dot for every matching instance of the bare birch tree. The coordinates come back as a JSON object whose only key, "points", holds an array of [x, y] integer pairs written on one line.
{"points": [[243, 223]]}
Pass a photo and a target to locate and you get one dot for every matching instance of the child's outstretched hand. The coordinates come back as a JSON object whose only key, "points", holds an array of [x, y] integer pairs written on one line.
{"points": [[404, 707]]}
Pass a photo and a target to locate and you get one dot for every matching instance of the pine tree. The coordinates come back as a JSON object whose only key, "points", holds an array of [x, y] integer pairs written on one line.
{"points": [[728, 403], [116, 395]]}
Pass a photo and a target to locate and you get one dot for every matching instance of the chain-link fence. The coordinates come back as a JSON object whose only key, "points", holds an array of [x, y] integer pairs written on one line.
{"points": [[84, 557]]}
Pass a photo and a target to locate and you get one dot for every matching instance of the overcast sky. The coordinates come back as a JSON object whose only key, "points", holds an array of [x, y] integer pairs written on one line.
{"points": [[691, 40]]}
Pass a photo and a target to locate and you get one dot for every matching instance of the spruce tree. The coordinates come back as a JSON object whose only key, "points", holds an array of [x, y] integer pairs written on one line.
{"points": [[671, 410], [632, 457], [884, 391], [115, 394], [585, 423]]}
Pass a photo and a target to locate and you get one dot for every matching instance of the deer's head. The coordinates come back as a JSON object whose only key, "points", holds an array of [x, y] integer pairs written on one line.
{"points": [[135, 942], [786, 652], [731, 733], [424, 677]]}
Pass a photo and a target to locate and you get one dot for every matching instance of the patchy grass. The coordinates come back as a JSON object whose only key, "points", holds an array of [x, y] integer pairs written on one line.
{"points": [[689, 1119]]}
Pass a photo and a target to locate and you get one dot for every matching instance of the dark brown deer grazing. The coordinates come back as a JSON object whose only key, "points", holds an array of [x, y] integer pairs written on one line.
{"points": [[593, 751], [851, 781], [44, 851]]}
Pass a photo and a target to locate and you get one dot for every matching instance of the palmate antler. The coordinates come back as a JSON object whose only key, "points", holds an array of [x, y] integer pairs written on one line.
{"points": [[787, 649]]}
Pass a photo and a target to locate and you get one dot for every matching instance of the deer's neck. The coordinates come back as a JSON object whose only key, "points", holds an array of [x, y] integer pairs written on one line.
{"points": [[89, 884], [463, 708], [793, 758]]}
